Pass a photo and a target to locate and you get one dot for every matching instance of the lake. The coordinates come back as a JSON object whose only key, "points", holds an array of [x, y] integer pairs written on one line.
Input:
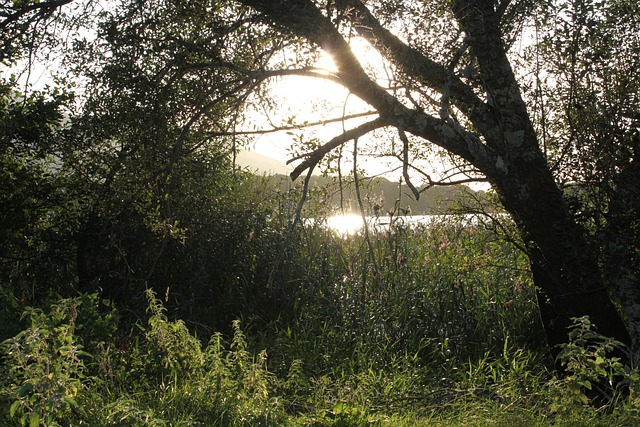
{"points": [[349, 224]]}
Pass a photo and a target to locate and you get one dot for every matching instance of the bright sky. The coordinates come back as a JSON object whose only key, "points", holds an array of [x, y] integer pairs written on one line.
{"points": [[312, 99], [306, 99]]}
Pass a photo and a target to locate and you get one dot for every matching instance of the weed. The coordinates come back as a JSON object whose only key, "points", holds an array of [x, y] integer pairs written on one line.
{"points": [[593, 370], [45, 367]]}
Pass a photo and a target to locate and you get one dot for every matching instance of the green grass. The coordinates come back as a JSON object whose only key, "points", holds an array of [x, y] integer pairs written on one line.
{"points": [[417, 327]]}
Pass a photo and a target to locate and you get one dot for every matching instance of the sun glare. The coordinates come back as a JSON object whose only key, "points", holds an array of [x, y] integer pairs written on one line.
{"points": [[304, 99], [325, 63], [345, 225], [368, 57]]}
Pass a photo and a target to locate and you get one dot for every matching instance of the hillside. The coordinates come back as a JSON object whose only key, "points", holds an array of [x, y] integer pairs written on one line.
{"points": [[384, 195]]}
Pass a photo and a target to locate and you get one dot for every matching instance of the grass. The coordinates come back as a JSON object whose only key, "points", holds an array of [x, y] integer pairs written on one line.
{"points": [[417, 327]]}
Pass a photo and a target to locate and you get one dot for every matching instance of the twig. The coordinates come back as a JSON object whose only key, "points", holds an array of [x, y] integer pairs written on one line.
{"points": [[405, 162], [361, 206]]}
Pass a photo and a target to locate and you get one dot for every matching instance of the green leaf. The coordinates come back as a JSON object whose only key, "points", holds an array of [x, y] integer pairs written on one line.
{"points": [[586, 384], [583, 399], [25, 389], [34, 419], [14, 408]]}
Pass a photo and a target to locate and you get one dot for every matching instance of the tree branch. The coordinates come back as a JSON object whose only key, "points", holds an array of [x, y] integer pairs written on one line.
{"points": [[307, 21], [405, 163], [20, 11], [445, 180], [314, 157], [414, 63], [293, 126], [482, 24]]}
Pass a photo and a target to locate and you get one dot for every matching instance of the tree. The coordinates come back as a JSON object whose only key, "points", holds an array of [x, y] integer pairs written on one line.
{"points": [[482, 118], [584, 94], [35, 208], [132, 183], [452, 85]]}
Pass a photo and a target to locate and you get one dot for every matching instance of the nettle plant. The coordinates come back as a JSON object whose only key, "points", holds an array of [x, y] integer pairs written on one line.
{"points": [[45, 366], [594, 372]]}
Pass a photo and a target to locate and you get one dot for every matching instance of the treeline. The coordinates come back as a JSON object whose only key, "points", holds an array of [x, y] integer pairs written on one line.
{"points": [[380, 196]]}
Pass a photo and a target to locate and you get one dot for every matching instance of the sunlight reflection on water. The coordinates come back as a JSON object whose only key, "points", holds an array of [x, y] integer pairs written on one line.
{"points": [[350, 224], [345, 225]]}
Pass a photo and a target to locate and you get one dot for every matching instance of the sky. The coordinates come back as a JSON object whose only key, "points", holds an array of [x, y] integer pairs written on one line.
{"points": [[314, 99]]}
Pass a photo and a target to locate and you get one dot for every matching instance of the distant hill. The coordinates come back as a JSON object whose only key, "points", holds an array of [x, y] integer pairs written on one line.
{"points": [[380, 192], [261, 164], [387, 196]]}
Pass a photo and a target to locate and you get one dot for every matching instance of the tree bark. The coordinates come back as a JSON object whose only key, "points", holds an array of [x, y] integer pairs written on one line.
{"points": [[621, 251], [564, 265]]}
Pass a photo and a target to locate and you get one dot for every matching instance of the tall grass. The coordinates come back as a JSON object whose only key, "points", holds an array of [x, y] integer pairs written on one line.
{"points": [[418, 326], [445, 291]]}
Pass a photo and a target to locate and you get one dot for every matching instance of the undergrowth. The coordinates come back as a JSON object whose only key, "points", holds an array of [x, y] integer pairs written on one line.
{"points": [[411, 328], [163, 375]]}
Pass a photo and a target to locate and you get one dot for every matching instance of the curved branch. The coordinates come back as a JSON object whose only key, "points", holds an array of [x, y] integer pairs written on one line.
{"points": [[409, 59], [293, 126], [445, 180], [261, 75], [304, 19], [42, 8], [405, 163], [317, 155]]}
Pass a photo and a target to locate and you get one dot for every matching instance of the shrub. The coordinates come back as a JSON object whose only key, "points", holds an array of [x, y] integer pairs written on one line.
{"points": [[183, 383], [594, 373], [45, 366]]}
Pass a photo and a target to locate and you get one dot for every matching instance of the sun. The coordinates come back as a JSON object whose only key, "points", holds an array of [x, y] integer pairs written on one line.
{"points": [[306, 99], [369, 58]]}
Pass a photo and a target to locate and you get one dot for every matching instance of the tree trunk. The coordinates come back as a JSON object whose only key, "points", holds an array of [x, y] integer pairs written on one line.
{"points": [[621, 237], [565, 267]]}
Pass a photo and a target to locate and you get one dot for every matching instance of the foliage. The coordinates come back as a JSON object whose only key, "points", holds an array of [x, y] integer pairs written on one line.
{"points": [[101, 191], [36, 205], [165, 376], [411, 291], [127, 190], [45, 366], [214, 385], [51, 380], [593, 369], [584, 96]]}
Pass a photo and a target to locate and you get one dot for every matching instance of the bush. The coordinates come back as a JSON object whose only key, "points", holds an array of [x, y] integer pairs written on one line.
{"points": [[164, 377], [593, 371], [45, 366]]}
